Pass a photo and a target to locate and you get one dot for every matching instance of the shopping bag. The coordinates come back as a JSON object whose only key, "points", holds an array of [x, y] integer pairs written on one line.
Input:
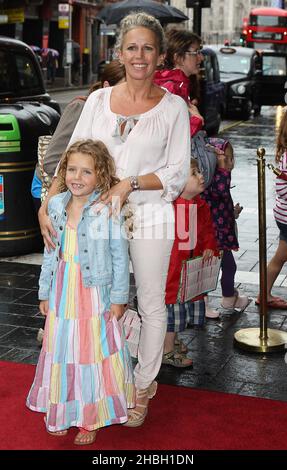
{"points": [[132, 327], [198, 277]]}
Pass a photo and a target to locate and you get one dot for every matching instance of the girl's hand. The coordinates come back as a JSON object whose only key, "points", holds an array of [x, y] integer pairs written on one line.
{"points": [[221, 161], [207, 254], [47, 229], [44, 307], [237, 210], [116, 196], [117, 310]]}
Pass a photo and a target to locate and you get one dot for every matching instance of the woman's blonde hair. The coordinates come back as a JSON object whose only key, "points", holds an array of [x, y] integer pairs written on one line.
{"points": [[140, 20], [281, 143], [104, 164]]}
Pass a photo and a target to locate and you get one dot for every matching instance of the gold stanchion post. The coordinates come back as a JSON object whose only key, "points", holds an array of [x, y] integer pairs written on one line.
{"points": [[263, 339]]}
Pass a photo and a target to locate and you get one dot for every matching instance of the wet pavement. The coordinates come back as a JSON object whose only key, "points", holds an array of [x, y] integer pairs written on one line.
{"points": [[218, 365]]}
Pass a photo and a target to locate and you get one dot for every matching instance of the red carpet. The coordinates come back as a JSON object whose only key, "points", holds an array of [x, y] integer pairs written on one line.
{"points": [[179, 418]]}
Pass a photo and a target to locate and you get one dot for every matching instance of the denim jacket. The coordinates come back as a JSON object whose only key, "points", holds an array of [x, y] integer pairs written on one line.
{"points": [[103, 250]]}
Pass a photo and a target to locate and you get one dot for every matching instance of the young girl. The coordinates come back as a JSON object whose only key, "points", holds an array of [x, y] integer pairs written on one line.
{"points": [[112, 74], [280, 214], [222, 210], [180, 314], [84, 376]]}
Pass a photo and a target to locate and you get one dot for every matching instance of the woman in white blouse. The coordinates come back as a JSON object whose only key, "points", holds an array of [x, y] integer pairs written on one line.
{"points": [[146, 130]]}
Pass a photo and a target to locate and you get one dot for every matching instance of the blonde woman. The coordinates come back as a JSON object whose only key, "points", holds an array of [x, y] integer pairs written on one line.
{"points": [[146, 130]]}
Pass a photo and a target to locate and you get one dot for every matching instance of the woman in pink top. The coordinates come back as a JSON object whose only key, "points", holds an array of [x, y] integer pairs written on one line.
{"points": [[280, 214]]}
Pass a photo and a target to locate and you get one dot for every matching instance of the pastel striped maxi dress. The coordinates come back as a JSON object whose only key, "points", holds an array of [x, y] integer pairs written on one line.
{"points": [[84, 375]]}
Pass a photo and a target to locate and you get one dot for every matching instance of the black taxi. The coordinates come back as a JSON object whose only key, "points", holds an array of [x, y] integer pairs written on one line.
{"points": [[211, 103], [21, 76], [252, 78]]}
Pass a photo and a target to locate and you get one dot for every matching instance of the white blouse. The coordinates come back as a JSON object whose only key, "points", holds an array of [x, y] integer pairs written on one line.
{"points": [[158, 143]]}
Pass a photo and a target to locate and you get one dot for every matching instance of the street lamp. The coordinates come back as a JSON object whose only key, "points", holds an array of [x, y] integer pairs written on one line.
{"points": [[197, 6]]}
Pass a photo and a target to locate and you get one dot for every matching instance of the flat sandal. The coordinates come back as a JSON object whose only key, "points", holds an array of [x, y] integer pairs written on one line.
{"points": [[91, 437], [61, 433]]}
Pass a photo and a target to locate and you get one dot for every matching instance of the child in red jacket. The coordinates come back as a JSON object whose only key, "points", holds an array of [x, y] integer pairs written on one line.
{"points": [[180, 314]]}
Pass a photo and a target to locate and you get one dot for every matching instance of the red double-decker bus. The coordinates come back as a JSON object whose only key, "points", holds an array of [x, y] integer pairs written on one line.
{"points": [[267, 29]]}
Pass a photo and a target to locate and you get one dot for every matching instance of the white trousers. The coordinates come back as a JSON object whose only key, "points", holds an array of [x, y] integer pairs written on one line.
{"points": [[150, 260]]}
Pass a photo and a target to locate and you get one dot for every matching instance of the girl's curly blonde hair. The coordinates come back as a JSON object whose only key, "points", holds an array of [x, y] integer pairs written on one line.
{"points": [[281, 143], [104, 164]]}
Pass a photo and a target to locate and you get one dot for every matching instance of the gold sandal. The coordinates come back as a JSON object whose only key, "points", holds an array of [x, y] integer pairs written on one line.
{"points": [[135, 417]]}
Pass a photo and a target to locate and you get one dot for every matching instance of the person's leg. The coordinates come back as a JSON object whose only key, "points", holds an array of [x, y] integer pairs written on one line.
{"points": [[209, 311], [274, 267], [150, 259], [230, 297], [228, 268], [48, 73], [53, 73], [169, 342], [173, 323], [176, 322]]}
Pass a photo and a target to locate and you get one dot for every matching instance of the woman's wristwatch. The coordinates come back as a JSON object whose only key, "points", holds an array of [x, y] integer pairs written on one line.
{"points": [[134, 182]]}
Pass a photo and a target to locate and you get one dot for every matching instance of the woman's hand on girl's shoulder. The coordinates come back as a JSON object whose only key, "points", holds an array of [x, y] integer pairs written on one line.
{"points": [[116, 196]]}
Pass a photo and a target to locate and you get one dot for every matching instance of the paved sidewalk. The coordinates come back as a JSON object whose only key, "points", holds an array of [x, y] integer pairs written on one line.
{"points": [[59, 85]]}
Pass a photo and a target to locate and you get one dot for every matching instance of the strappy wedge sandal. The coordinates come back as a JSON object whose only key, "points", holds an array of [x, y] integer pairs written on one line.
{"points": [[136, 417], [85, 437]]}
